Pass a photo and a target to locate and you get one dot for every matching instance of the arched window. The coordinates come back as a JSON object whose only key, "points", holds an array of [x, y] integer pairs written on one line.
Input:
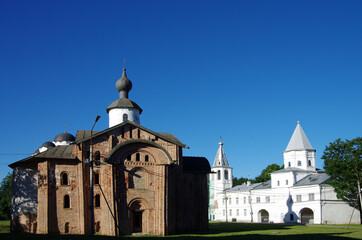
{"points": [[226, 174], [97, 158], [137, 157], [64, 178], [98, 226], [66, 201], [309, 163], [125, 117], [97, 201], [146, 158], [218, 175], [96, 178], [66, 227]]}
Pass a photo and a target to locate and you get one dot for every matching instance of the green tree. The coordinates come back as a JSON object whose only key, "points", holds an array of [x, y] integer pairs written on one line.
{"points": [[239, 181], [265, 174], [343, 162], [5, 196]]}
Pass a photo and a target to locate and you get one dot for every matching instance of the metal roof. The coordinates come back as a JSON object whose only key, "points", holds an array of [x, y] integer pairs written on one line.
{"points": [[220, 158], [84, 135], [124, 103], [299, 140], [58, 152], [313, 179]]}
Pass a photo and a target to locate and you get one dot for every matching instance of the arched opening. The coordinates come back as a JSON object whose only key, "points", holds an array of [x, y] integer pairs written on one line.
{"points": [[306, 215], [66, 227], [263, 216], [64, 178], [137, 216], [125, 117], [218, 175], [98, 226], [226, 174], [147, 158], [66, 201], [137, 157]]}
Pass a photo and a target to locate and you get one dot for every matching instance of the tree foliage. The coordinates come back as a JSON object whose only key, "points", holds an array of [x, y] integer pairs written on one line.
{"points": [[239, 181], [263, 177], [265, 174], [5, 196], [343, 162]]}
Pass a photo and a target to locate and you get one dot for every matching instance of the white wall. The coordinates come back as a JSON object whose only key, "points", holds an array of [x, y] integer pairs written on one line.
{"points": [[116, 115], [24, 191]]}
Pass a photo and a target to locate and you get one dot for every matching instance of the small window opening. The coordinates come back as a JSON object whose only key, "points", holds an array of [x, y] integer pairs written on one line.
{"points": [[299, 163], [97, 158], [129, 158], [66, 227], [137, 157], [291, 217], [97, 201], [96, 178], [138, 134], [125, 117], [218, 175], [66, 201], [64, 178], [130, 132], [226, 174], [146, 158], [98, 226], [289, 164], [309, 163]]}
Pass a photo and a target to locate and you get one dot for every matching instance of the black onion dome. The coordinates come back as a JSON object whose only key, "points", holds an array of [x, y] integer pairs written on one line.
{"points": [[64, 137], [48, 145], [124, 85]]}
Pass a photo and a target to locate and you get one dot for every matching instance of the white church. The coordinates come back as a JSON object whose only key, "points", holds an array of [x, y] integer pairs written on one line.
{"points": [[299, 193]]}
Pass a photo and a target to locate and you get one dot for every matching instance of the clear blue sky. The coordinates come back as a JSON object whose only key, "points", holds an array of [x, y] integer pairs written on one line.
{"points": [[243, 70]]}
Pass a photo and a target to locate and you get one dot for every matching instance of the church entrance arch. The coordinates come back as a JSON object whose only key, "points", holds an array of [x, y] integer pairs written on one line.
{"points": [[137, 216], [263, 216], [306, 215]]}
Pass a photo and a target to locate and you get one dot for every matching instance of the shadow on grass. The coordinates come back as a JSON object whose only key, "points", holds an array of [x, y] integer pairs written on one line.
{"points": [[222, 227], [184, 237]]}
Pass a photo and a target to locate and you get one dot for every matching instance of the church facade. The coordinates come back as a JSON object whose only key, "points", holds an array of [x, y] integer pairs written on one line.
{"points": [[299, 193], [142, 182]]}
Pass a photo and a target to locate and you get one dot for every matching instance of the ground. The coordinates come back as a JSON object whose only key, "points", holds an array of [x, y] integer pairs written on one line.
{"points": [[221, 231]]}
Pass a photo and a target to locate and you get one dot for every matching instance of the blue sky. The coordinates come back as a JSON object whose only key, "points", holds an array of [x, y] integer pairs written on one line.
{"points": [[243, 70]]}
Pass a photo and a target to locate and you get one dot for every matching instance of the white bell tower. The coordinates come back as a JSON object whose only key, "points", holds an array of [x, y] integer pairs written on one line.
{"points": [[299, 152]]}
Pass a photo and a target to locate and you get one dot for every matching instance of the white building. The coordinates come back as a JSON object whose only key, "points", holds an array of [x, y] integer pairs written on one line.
{"points": [[299, 193]]}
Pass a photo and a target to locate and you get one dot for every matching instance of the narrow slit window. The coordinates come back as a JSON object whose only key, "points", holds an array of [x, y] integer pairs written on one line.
{"points": [[97, 201], [147, 158], [66, 201], [96, 178]]}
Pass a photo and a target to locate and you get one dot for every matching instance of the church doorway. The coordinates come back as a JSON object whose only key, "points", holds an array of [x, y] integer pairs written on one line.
{"points": [[306, 216], [263, 216], [138, 217], [137, 221]]}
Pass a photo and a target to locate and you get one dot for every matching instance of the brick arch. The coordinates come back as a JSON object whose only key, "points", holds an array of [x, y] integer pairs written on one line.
{"points": [[156, 151]]}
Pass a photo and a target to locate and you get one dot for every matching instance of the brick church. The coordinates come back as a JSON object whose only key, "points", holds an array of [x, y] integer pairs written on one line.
{"points": [[142, 183]]}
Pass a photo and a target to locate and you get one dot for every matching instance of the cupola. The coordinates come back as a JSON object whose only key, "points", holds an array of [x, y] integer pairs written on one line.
{"points": [[123, 109]]}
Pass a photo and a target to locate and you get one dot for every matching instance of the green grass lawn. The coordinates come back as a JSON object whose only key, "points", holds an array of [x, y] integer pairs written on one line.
{"points": [[221, 231]]}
